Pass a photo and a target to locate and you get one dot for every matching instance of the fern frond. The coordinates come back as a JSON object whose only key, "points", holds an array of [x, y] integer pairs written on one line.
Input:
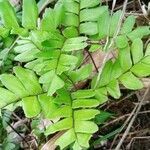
{"points": [[75, 117], [131, 64], [53, 49]]}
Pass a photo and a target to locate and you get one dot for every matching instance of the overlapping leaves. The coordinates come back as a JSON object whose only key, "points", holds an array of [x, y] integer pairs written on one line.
{"points": [[53, 49], [131, 64], [75, 116], [24, 87], [10, 21]]}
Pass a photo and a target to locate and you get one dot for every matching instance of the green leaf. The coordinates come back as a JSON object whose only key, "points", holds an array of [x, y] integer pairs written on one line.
{"points": [[31, 106], [102, 117], [84, 28], [52, 18], [147, 50], [121, 41], [85, 114], [21, 42], [63, 97], [68, 60], [137, 50], [83, 139], [92, 14], [47, 104], [3, 56], [81, 73], [48, 54], [128, 25], [59, 14], [70, 32], [20, 31], [32, 64], [106, 74], [64, 111], [76, 40], [101, 95], [83, 94], [116, 70], [38, 36], [76, 146], [62, 68], [85, 127], [59, 126], [44, 66], [54, 82], [77, 43], [89, 3], [113, 89], [141, 69], [6, 97], [48, 23], [8, 145], [4, 32], [71, 6], [125, 58], [37, 66], [29, 14], [139, 32], [28, 79], [8, 15], [27, 55], [66, 139], [146, 60], [95, 47], [103, 24], [85, 103], [52, 44], [114, 22], [27, 46], [130, 81], [13, 84], [71, 19]]}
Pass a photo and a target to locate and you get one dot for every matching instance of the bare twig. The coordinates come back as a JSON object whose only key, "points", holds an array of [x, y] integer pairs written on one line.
{"points": [[124, 125], [135, 138], [132, 121], [121, 118], [113, 6], [18, 133], [92, 60]]}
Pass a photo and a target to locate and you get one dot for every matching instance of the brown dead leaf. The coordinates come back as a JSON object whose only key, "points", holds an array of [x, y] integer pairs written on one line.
{"points": [[50, 145], [98, 58]]}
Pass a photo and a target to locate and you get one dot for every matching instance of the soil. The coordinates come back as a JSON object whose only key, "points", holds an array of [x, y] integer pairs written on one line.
{"points": [[139, 136]]}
